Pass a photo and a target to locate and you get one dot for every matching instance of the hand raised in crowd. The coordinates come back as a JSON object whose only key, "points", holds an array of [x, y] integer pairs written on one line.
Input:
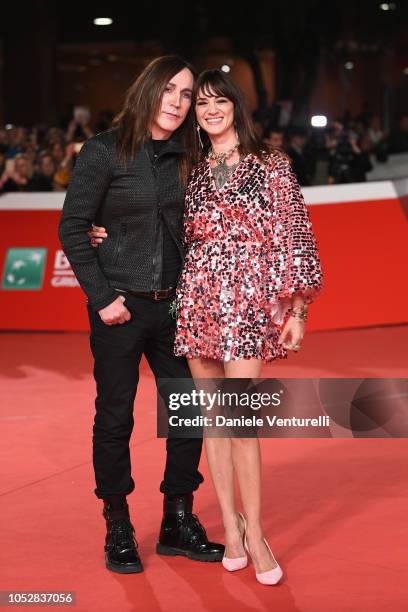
{"points": [[69, 152]]}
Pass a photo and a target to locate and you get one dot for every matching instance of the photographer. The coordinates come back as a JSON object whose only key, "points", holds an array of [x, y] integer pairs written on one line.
{"points": [[78, 127], [301, 160], [361, 163], [344, 156]]}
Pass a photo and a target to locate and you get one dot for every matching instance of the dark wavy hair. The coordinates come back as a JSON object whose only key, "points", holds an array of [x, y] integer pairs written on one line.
{"points": [[218, 83], [142, 102]]}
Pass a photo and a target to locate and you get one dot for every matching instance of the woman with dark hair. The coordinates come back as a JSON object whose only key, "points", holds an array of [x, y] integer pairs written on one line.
{"points": [[131, 179], [251, 259]]}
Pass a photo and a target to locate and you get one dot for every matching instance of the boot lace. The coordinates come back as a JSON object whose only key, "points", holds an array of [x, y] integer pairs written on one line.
{"points": [[197, 531], [122, 533]]}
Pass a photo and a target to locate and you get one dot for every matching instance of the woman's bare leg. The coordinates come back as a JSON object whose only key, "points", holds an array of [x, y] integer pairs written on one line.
{"points": [[246, 458], [218, 451]]}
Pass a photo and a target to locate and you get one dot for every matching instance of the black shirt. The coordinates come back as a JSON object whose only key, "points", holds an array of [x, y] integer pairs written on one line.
{"points": [[171, 255]]}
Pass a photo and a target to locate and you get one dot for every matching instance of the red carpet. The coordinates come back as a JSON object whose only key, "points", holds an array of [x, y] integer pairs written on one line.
{"points": [[335, 510]]}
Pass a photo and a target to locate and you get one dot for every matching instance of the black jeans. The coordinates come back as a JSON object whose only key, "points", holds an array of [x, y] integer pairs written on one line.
{"points": [[117, 352]]}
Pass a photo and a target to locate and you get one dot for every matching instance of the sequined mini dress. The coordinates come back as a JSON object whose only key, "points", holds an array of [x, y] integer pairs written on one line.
{"points": [[249, 246]]}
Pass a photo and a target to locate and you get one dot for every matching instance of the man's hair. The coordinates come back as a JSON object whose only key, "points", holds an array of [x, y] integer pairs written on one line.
{"points": [[142, 103]]}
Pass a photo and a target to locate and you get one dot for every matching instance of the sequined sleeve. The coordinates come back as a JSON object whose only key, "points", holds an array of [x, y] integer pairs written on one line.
{"points": [[188, 217], [294, 262]]}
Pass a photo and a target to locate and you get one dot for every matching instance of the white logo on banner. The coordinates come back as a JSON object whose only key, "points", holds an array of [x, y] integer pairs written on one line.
{"points": [[63, 275]]}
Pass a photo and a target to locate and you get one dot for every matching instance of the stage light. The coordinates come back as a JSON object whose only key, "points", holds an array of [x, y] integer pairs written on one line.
{"points": [[103, 21], [349, 65], [388, 6], [225, 68], [318, 121]]}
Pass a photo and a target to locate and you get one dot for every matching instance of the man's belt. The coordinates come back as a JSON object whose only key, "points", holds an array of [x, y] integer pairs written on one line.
{"points": [[161, 294]]}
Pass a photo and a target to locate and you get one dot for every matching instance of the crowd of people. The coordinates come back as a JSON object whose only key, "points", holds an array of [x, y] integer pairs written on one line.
{"points": [[344, 152], [35, 160], [41, 159]]}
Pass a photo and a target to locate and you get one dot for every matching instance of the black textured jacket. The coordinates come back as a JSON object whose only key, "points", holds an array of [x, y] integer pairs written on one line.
{"points": [[130, 202]]}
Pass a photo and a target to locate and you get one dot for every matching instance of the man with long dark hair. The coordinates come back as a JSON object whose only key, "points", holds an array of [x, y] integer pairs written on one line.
{"points": [[131, 180]]}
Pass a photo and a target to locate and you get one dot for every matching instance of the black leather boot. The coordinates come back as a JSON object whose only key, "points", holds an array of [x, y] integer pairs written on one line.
{"points": [[181, 532], [121, 553]]}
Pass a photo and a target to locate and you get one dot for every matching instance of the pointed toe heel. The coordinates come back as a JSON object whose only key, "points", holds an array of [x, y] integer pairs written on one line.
{"points": [[272, 576], [232, 564]]}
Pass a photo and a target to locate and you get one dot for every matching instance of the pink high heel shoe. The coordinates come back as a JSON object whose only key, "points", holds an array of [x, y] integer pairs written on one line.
{"points": [[233, 564], [272, 576]]}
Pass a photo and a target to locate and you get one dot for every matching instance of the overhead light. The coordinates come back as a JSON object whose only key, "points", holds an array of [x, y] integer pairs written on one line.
{"points": [[103, 21], [318, 121], [349, 65], [388, 6], [226, 68]]}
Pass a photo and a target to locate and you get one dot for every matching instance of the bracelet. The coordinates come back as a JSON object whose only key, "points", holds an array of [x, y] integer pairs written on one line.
{"points": [[303, 308], [299, 314]]}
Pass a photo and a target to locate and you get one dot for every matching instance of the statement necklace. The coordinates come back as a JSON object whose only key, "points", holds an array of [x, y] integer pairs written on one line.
{"points": [[221, 157]]}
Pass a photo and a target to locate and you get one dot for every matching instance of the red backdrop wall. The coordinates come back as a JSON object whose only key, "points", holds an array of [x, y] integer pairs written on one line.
{"points": [[362, 240]]}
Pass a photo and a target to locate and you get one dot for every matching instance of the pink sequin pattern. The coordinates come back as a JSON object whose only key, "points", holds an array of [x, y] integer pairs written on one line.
{"points": [[249, 247]]}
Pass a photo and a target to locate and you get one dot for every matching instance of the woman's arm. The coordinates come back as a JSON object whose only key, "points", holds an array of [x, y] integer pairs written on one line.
{"points": [[293, 331], [295, 276], [294, 254]]}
